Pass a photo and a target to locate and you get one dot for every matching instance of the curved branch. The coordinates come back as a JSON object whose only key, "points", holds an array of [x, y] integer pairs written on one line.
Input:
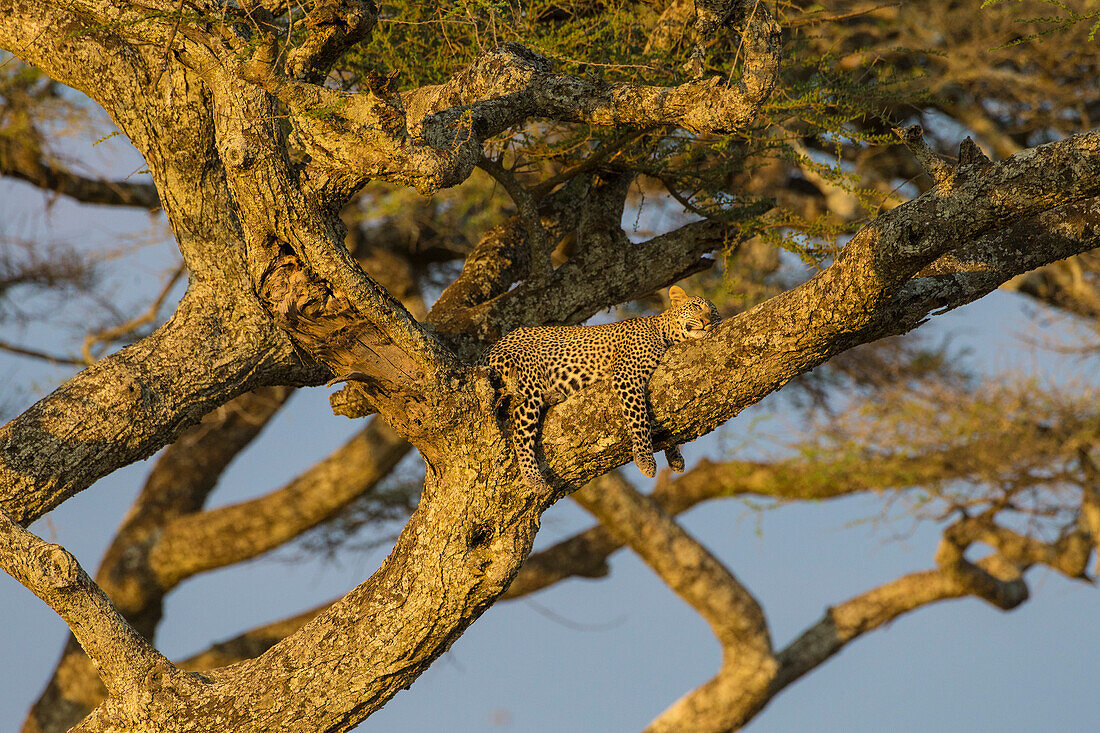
{"points": [[197, 543], [78, 43], [177, 487], [500, 258], [23, 162], [332, 26], [734, 615], [352, 138], [430, 138], [585, 554], [849, 620], [36, 354], [609, 273], [179, 483], [122, 655], [994, 579]]}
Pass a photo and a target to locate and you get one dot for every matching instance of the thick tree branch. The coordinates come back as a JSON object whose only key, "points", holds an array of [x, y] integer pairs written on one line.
{"points": [[512, 84], [177, 488], [500, 258], [179, 483], [734, 615], [305, 277], [130, 404], [430, 138], [607, 273], [352, 138], [79, 44], [862, 297], [979, 267], [332, 26]]}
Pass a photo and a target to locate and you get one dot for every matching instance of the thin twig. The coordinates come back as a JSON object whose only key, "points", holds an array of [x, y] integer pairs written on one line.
{"points": [[35, 354], [528, 212], [592, 161], [130, 326], [840, 16]]}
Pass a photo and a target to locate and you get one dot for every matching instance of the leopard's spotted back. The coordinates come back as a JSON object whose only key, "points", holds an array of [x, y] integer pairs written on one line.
{"points": [[545, 364]]}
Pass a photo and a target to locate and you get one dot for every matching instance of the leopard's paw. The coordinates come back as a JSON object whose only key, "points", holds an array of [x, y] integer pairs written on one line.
{"points": [[675, 458]]}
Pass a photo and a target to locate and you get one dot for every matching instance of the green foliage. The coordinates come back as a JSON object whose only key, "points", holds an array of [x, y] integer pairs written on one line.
{"points": [[1065, 20], [820, 99]]}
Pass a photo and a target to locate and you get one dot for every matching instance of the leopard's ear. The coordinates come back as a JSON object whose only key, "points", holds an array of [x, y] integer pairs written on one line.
{"points": [[676, 295]]}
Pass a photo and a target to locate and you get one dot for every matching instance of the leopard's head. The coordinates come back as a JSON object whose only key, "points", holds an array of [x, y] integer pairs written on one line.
{"points": [[688, 317]]}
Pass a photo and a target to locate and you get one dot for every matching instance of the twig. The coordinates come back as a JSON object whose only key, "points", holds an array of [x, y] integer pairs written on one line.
{"points": [[528, 212], [52, 358], [592, 161], [840, 16], [130, 326]]}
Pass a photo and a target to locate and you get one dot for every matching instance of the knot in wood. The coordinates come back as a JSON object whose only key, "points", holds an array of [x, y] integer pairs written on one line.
{"points": [[480, 534], [57, 567], [239, 154]]}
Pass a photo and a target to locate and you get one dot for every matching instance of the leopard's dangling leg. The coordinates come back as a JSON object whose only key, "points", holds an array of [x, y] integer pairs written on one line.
{"points": [[631, 393], [524, 412]]}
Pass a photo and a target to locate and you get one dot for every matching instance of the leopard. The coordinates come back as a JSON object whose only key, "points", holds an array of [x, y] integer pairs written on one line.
{"points": [[542, 366]]}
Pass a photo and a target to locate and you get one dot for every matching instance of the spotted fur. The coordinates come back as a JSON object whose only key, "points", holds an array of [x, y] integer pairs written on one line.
{"points": [[542, 366]]}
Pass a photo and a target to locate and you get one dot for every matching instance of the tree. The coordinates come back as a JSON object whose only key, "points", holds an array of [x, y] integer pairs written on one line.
{"points": [[262, 125]]}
